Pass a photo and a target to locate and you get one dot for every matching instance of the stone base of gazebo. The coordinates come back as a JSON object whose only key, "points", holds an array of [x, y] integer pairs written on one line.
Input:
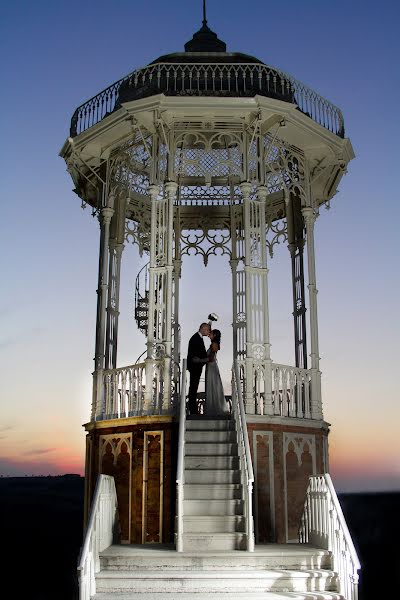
{"points": [[140, 453], [285, 453]]}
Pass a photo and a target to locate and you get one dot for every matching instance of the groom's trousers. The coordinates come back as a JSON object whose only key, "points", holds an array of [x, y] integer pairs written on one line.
{"points": [[195, 374]]}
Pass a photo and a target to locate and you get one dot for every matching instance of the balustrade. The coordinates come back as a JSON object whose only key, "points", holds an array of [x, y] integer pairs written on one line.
{"points": [[291, 391], [98, 536], [208, 79], [323, 525], [123, 391]]}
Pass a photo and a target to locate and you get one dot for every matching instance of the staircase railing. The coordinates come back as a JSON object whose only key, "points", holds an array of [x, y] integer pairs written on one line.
{"points": [[99, 534], [323, 525], [180, 473], [244, 453]]}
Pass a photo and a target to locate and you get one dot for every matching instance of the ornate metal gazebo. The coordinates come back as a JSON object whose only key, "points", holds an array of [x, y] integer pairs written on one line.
{"points": [[211, 152]]}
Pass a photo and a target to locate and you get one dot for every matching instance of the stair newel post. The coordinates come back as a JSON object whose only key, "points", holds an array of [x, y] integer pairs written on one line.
{"points": [[180, 472]]}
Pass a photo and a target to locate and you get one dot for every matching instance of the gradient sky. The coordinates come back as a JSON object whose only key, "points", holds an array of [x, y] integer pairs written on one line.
{"points": [[57, 54]]}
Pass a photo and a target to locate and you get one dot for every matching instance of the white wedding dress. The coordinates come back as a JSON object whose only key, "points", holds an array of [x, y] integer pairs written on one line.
{"points": [[215, 404]]}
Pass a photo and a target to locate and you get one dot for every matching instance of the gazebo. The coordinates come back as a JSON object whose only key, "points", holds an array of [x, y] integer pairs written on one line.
{"points": [[208, 152]]}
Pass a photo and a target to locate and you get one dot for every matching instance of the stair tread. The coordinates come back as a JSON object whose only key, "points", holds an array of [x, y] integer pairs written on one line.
{"points": [[265, 550], [218, 574], [228, 595]]}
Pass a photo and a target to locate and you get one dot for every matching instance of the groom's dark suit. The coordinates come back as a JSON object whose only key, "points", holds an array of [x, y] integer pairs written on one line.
{"points": [[196, 350]]}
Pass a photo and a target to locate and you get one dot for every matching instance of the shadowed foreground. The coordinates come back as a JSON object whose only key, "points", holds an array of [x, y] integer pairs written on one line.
{"points": [[42, 534]]}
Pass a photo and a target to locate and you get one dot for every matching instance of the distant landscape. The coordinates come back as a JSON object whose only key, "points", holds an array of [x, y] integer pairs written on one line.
{"points": [[42, 534]]}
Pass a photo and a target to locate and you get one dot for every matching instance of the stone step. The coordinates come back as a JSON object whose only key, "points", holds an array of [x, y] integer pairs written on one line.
{"points": [[213, 523], [223, 595], [216, 581], [201, 449], [212, 507], [265, 556], [211, 476], [211, 462], [217, 491], [214, 436], [202, 423]]}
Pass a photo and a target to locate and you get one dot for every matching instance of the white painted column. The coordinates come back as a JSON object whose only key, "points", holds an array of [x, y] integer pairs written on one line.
{"points": [[106, 215], [114, 279], [316, 402], [268, 409], [148, 395], [249, 401], [171, 189]]}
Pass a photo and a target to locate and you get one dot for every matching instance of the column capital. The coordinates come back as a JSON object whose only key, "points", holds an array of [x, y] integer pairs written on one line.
{"points": [[309, 215], [107, 213], [171, 188], [154, 190], [262, 192], [245, 188]]}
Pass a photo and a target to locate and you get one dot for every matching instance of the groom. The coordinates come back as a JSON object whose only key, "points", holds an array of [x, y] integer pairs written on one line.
{"points": [[196, 359]]}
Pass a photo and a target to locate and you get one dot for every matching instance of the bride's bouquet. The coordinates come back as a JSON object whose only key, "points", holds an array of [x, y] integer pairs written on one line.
{"points": [[213, 317]]}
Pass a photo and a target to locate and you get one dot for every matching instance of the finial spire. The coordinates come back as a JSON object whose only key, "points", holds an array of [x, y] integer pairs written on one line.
{"points": [[204, 13], [205, 40]]}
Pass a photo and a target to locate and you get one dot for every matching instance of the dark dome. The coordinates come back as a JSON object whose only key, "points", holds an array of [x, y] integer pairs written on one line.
{"points": [[176, 74]]}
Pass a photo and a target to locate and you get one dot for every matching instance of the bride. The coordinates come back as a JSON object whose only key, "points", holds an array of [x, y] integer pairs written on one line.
{"points": [[215, 404]]}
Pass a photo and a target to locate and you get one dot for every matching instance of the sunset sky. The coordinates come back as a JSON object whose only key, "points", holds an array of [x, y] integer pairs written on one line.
{"points": [[57, 54]]}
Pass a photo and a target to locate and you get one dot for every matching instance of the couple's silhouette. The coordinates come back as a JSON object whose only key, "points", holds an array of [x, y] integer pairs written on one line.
{"points": [[197, 357]]}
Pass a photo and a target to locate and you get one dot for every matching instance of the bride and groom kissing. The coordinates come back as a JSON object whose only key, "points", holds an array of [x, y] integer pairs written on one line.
{"points": [[197, 357]]}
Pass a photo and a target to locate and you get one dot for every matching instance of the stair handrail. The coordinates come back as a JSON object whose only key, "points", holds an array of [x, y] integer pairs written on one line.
{"points": [[247, 463], [324, 525], [98, 536], [180, 473]]}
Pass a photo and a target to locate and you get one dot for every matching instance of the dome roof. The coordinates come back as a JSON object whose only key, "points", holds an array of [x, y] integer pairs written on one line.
{"points": [[193, 73]]}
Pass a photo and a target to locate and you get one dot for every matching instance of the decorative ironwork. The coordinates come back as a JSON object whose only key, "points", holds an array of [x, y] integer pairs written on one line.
{"points": [[212, 240], [208, 79]]}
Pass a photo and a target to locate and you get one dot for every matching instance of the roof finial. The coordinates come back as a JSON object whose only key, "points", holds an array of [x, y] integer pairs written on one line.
{"points": [[204, 13]]}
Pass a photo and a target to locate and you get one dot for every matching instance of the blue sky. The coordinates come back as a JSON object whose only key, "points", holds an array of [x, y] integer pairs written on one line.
{"points": [[58, 54]]}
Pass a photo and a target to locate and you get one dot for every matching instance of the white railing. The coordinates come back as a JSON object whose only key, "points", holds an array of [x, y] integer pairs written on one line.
{"points": [[291, 392], [209, 79], [244, 453], [323, 525], [180, 472], [99, 534], [123, 391]]}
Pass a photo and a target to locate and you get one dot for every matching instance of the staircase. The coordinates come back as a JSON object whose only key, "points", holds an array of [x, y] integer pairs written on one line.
{"points": [[213, 507], [214, 529], [272, 572], [142, 299]]}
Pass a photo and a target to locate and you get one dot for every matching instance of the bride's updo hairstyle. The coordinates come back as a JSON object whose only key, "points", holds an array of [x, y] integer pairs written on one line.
{"points": [[217, 337]]}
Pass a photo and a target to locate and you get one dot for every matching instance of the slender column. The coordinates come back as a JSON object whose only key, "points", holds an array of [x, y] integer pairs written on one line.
{"points": [[148, 396], [170, 188], [114, 277], [176, 285], [295, 226], [268, 409], [116, 246], [106, 215], [249, 399], [316, 403], [159, 345]]}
